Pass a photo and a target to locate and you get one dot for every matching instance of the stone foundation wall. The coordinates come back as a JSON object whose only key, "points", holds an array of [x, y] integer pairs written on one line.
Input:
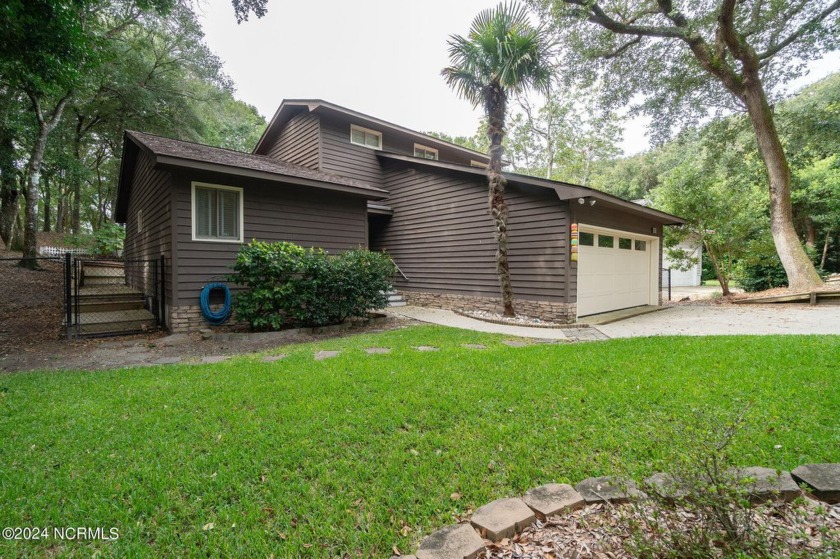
{"points": [[544, 310], [186, 319]]}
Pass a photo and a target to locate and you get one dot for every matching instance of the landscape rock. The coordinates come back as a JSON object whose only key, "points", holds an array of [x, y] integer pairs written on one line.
{"points": [[515, 343], [822, 479], [553, 498], [426, 348], [167, 361], [607, 488], [769, 484], [377, 350], [321, 355], [172, 340], [502, 518], [273, 358], [666, 486], [458, 541], [474, 346]]}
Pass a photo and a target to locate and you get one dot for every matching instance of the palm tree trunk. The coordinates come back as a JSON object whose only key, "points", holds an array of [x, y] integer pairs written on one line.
{"points": [[495, 105]]}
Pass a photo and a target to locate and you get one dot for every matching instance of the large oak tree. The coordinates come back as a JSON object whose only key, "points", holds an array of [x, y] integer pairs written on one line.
{"points": [[687, 59]]}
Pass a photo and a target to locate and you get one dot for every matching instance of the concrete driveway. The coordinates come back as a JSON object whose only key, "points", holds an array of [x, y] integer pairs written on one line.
{"points": [[710, 320]]}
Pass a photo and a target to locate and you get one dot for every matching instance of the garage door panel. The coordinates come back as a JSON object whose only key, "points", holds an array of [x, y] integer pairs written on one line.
{"points": [[612, 278]]}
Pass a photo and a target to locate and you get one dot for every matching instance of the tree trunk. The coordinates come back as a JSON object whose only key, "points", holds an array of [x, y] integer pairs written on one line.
{"points": [[810, 233], [801, 273], [825, 249], [495, 106], [75, 176], [47, 203], [33, 178], [722, 278], [9, 191]]}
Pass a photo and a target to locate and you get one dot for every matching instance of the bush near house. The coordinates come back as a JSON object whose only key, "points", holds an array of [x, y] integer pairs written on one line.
{"points": [[288, 285]]}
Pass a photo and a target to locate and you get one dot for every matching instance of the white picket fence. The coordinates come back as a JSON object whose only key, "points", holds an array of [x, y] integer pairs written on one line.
{"points": [[56, 252]]}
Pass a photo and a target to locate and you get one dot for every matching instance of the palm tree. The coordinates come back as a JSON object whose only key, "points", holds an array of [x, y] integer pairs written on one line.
{"points": [[503, 53]]}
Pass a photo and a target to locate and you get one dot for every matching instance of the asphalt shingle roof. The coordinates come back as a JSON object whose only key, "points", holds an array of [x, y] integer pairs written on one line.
{"points": [[236, 159]]}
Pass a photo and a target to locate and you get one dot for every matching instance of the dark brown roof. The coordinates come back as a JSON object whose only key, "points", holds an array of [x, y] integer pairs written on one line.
{"points": [[166, 149]]}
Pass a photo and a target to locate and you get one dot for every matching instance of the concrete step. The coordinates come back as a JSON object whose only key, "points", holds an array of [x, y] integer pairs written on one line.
{"points": [[99, 272], [91, 281], [397, 303], [107, 291], [116, 321], [93, 305]]}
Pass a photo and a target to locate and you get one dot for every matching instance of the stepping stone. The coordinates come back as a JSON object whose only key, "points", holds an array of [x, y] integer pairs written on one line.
{"points": [[666, 486], [503, 518], [515, 343], [768, 484], [823, 479], [166, 360], [321, 355], [458, 541], [214, 358], [607, 488], [553, 498], [426, 348], [377, 350], [273, 358], [474, 346], [403, 557]]}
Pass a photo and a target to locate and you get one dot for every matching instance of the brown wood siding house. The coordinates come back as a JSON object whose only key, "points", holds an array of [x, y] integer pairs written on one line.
{"points": [[326, 176]]}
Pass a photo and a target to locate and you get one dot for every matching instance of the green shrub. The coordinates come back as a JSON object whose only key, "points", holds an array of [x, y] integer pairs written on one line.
{"points": [[288, 285], [761, 268], [108, 239]]}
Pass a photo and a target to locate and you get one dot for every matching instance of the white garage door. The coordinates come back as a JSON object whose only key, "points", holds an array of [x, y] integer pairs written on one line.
{"points": [[615, 270]]}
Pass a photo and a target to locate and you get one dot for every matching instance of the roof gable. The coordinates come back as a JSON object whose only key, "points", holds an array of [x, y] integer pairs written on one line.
{"points": [[291, 107]]}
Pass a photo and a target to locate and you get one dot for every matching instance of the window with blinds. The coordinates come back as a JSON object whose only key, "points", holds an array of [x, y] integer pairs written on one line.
{"points": [[217, 213]]}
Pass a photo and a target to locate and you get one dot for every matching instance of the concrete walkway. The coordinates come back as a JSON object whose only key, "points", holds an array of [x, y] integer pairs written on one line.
{"points": [[721, 320], [449, 318]]}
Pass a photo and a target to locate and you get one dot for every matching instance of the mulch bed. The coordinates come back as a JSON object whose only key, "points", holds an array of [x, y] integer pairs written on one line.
{"points": [[806, 529]]}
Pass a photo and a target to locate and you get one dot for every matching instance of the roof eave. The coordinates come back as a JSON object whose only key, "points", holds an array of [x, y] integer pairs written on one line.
{"points": [[565, 191], [370, 193]]}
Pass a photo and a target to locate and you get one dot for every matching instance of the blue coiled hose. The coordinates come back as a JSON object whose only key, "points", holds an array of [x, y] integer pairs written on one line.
{"points": [[215, 317]]}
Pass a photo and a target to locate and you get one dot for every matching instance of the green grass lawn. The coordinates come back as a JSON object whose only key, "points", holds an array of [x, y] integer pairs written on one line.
{"points": [[325, 459]]}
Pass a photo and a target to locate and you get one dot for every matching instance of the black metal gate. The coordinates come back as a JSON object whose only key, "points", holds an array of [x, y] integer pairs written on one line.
{"points": [[112, 296]]}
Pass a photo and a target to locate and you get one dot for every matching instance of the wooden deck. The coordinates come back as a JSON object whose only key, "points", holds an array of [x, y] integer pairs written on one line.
{"points": [[810, 297]]}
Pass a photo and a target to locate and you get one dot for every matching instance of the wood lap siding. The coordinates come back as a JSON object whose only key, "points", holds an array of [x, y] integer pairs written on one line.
{"points": [[273, 212], [298, 141], [150, 192], [340, 157], [441, 236]]}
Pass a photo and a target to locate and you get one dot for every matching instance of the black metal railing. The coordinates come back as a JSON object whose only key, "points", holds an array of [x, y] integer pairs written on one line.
{"points": [[107, 296]]}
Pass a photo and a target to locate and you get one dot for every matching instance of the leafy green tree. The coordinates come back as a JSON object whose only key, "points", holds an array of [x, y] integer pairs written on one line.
{"points": [[688, 59], [49, 49], [564, 137], [502, 54]]}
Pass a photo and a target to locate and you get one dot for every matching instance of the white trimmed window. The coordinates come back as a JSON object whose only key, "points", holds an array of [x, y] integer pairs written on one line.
{"points": [[217, 213], [425, 152], [365, 137]]}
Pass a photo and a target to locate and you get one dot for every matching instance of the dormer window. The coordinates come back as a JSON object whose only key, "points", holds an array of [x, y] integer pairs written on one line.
{"points": [[425, 152], [365, 137]]}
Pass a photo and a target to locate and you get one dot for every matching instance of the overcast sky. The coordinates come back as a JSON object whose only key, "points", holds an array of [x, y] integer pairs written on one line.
{"points": [[379, 57]]}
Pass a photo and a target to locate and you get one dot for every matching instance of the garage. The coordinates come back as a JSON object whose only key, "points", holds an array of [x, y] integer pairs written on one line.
{"points": [[616, 270]]}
